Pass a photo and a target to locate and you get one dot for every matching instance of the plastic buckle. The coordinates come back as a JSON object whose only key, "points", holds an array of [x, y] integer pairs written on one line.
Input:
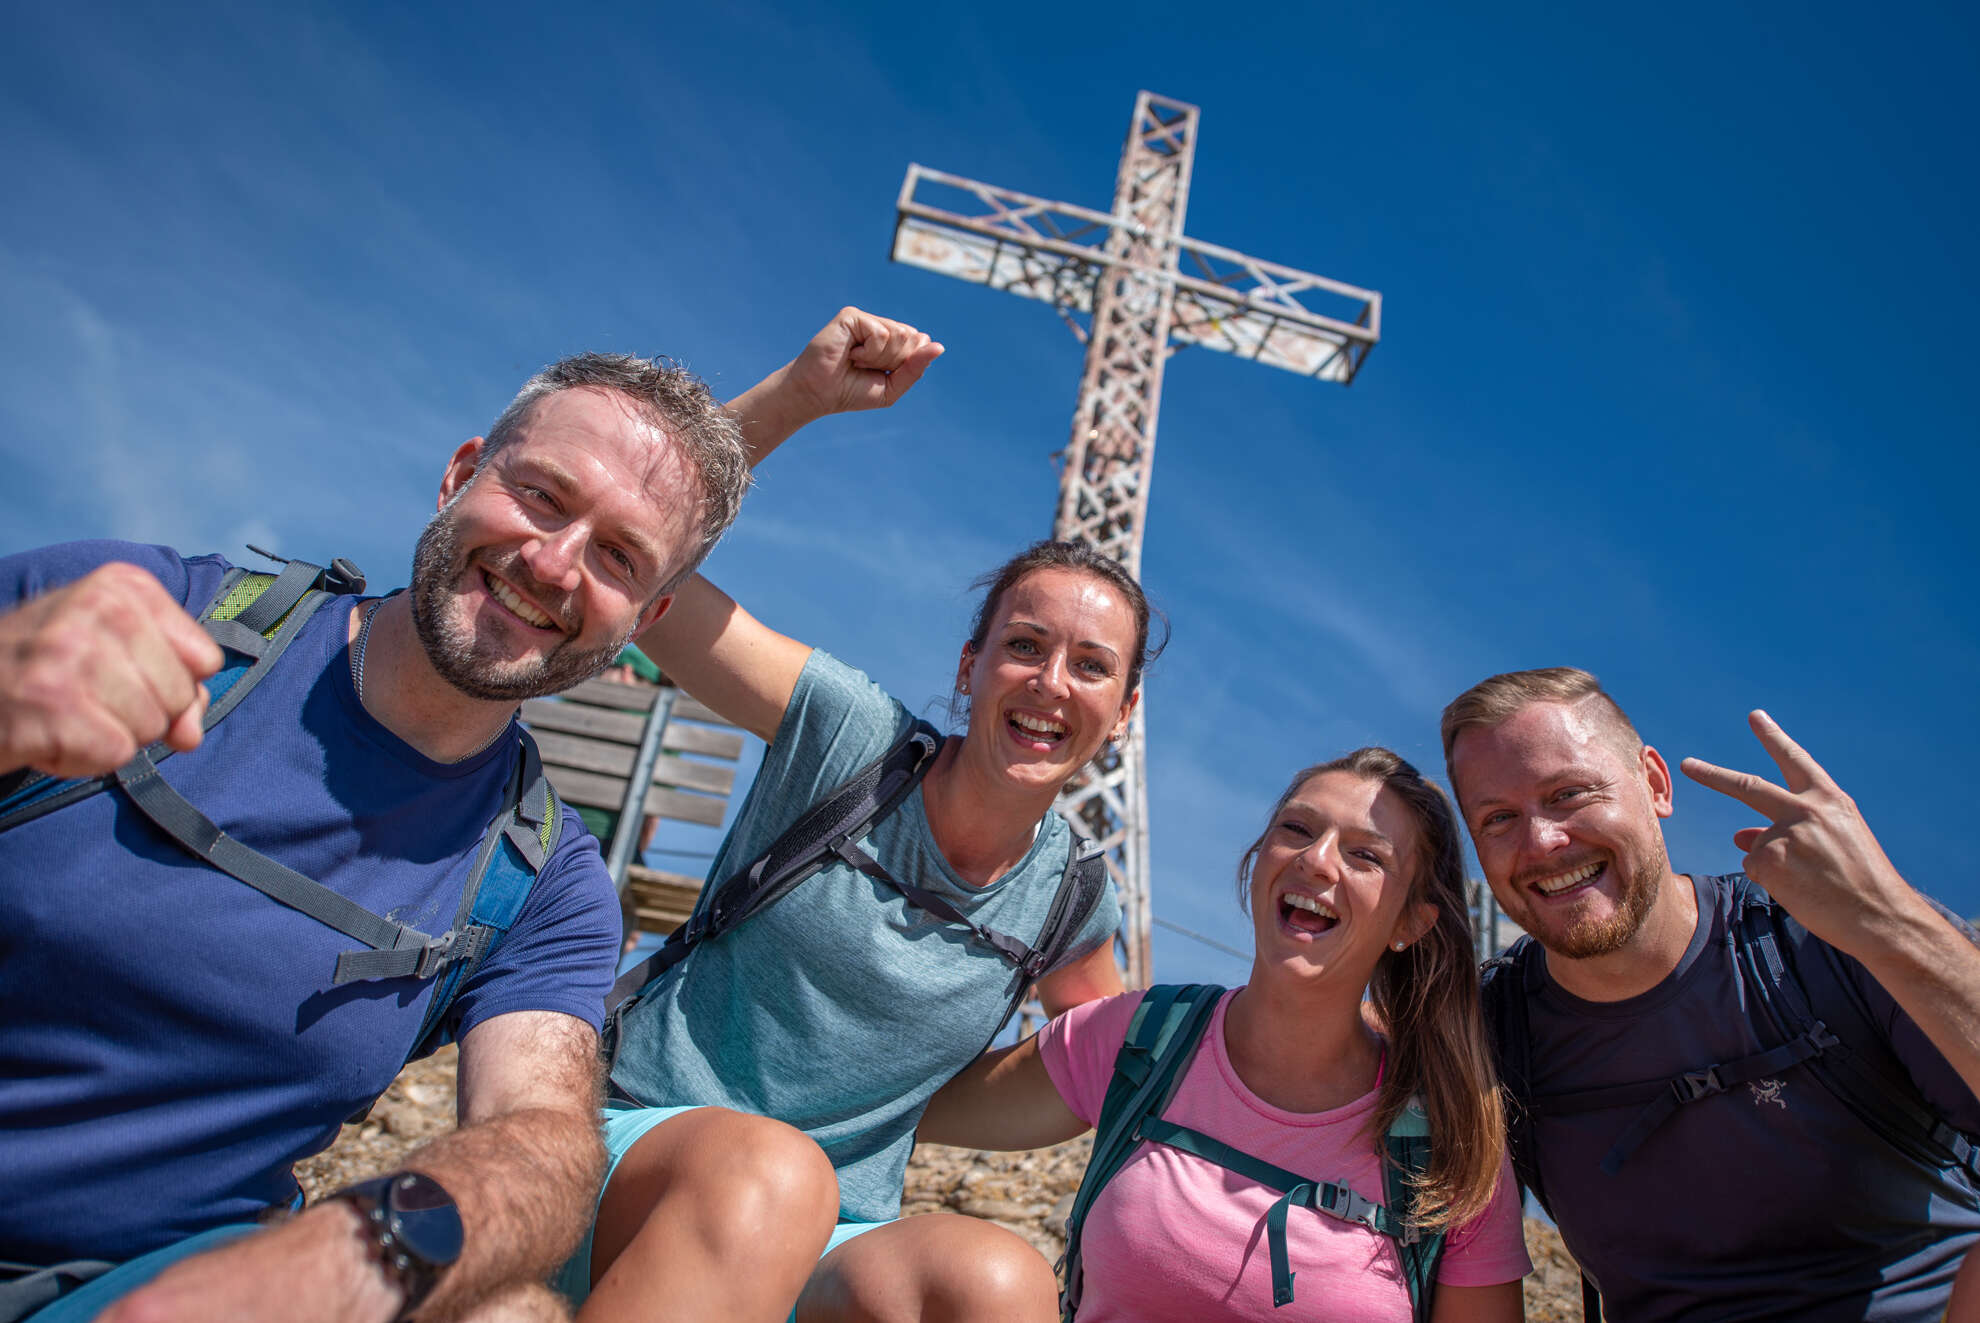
{"points": [[1819, 1035], [433, 956], [1695, 1084], [342, 577], [1348, 1205], [1032, 966]]}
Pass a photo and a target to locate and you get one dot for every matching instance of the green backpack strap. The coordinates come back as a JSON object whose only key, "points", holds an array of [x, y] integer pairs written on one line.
{"points": [[1161, 1039], [1420, 1251]]}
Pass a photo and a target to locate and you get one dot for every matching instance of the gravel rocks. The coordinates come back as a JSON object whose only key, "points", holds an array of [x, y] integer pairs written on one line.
{"points": [[1030, 1194]]}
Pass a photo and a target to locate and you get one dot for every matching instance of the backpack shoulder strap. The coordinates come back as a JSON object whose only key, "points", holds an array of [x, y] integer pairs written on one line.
{"points": [[1161, 1039], [1080, 886], [1408, 1148], [1503, 989], [513, 851], [253, 617], [1854, 1063], [821, 832]]}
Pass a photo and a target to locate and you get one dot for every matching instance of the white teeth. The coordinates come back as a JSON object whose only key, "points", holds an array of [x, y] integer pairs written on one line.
{"points": [[1038, 725], [507, 597], [1555, 885], [1310, 905]]}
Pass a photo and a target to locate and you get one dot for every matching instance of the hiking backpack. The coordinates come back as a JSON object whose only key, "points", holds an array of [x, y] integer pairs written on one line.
{"points": [[1834, 1036], [1161, 1039], [254, 617], [830, 830]]}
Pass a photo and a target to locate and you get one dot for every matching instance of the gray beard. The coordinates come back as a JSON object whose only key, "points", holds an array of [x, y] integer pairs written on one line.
{"points": [[438, 565]]}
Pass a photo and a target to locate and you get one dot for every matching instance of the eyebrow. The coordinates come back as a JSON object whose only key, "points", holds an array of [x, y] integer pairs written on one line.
{"points": [[555, 475], [1040, 630]]}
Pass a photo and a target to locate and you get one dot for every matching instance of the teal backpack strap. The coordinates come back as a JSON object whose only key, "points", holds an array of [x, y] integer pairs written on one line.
{"points": [[513, 850], [1161, 1039], [1420, 1251]]}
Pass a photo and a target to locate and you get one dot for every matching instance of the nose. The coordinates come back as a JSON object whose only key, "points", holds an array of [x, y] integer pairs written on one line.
{"points": [[1322, 856], [553, 557], [1544, 835], [1049, 679]]}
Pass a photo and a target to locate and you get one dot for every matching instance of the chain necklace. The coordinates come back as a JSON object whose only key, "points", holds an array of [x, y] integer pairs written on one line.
{"points": [[357, 672], [357, 649]]}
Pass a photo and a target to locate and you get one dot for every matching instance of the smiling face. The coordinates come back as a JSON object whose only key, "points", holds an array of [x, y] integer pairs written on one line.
{"points": [[543, 561], [1564, 816], [1048, 686], [1333, 880]]}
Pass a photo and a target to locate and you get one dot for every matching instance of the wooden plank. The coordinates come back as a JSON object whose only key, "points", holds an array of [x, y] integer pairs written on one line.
{"points": [[681, 738], [661, 901], [613, 693], [549, 714], [616, 760], [661, 877], [689, 708], [595, 791]]}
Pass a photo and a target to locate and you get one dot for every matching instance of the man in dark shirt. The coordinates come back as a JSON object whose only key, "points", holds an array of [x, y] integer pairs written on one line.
{"points": [[1769, 1198]]}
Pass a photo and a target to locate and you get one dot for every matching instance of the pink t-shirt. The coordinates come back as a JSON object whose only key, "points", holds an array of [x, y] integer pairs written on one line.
{"points": [[1176, 1237]]}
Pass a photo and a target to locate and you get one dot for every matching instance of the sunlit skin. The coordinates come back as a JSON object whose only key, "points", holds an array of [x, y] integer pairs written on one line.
{"points": [[1565, 821], [581, 518], [1346, 844], [1056, 656]]}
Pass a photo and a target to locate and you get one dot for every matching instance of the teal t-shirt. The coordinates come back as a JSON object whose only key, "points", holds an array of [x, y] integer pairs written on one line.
{"points": [[840, 1009]]}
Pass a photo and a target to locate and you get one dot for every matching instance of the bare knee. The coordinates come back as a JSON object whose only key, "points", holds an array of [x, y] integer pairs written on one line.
{"points": [[941, 1268], [729, 1179], [528, 1303]]}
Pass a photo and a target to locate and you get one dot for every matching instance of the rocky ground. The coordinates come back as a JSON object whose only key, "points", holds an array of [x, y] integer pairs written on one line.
{"points": [[1029, 1193]]}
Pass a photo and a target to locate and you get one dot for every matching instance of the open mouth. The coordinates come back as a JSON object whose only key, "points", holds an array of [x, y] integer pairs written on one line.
{"points": [[1301, 913], [1035, 732], [1574, 880], [515, 605]]}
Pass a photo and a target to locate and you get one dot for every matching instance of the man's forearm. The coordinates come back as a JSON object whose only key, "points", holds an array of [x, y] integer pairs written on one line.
{"points": [[1933, 973], [526, 1184]]}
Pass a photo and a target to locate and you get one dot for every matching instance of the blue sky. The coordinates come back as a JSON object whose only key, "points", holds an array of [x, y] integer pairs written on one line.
{"points": [[1675, 309]]}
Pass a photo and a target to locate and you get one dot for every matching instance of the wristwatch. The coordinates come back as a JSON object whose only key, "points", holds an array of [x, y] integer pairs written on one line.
{"points": [[415, 1226]]}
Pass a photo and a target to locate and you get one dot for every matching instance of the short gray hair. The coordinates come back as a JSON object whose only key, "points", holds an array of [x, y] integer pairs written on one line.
{"points": [[674, 400]]}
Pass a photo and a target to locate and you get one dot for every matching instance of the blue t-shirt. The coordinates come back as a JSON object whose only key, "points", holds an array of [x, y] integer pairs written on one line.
{"points": [[1771, 1200], [171, 1042], [841, 1008]]}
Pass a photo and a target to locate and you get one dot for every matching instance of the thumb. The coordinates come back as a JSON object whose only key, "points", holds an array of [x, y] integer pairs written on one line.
{"points": [[1746, 838], [188, 728]]}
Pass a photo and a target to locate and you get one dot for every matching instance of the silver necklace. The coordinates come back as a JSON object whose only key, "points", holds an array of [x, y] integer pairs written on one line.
{"points": [[357, 649]]}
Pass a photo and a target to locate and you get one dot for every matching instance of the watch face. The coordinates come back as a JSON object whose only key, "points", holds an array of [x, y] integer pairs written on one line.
{"points": [[425, 1220]]}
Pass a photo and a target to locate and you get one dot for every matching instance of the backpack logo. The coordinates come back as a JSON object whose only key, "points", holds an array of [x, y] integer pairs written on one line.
{"points": [[1768, 1091]]}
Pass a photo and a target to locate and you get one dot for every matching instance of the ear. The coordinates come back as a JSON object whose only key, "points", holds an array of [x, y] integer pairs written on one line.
{"points": [[460, 469], [651, 616], [963, 664], [1127, 713], [1417, 920], [1657, 775]]}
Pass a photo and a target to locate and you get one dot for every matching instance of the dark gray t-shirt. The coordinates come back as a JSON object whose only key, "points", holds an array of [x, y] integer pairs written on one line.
{"points": [[1769, 1201], [840, 1009]]}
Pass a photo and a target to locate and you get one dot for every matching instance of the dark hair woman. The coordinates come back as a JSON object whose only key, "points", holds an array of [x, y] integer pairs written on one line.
{"points": [[783, 1067], [1356, 884]]}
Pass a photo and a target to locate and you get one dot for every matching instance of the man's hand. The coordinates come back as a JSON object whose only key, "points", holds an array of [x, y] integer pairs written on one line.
{"points": [[320, 1266], [1818, 858], [96, 670], [858, 361]]}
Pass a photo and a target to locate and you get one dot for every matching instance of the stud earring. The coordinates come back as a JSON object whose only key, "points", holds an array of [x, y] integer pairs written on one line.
{"points": [[1400, 945]]}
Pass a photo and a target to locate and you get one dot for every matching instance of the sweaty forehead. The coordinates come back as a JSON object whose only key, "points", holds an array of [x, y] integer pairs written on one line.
{"points": [[1074, 600], [1539, 741]]}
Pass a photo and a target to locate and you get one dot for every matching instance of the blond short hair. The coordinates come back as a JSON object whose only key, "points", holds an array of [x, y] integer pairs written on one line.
{"points": [[1493, 702]]}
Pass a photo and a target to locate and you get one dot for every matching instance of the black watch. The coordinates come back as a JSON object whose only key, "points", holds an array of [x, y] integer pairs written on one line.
{"points": [[416, 1227]]}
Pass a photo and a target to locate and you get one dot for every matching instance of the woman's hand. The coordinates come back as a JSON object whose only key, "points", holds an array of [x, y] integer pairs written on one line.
{"points": [[858, 361]]}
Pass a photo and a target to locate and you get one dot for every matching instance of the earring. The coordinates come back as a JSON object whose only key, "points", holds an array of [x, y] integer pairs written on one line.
{"points": [[1401, 945], [965, 686]]}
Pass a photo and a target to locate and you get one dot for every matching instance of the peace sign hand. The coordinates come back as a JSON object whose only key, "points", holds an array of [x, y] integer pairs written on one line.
{"points": [[1818, 858]]}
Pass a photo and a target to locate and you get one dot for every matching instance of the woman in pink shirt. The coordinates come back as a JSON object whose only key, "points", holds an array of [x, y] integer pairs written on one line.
{"points": [[1356, 884]]}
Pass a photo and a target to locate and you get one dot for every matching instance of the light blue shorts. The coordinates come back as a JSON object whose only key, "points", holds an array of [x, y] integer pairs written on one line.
{"points": [[624, 1126], [93, 1297]]}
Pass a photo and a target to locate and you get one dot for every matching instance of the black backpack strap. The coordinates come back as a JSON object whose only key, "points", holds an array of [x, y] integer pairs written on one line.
{"points": [[838, 820], [1855, 1065], [1161, 1038], [1503, 991]]}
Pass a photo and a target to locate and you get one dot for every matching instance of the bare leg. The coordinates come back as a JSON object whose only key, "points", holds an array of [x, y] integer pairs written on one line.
{"points": [[713, 1215], [1964, 1306], [529, 1303], [941, 1268]]}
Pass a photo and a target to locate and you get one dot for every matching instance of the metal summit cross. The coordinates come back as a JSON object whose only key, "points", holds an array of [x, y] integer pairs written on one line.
{"points": [[1143, 290]]}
